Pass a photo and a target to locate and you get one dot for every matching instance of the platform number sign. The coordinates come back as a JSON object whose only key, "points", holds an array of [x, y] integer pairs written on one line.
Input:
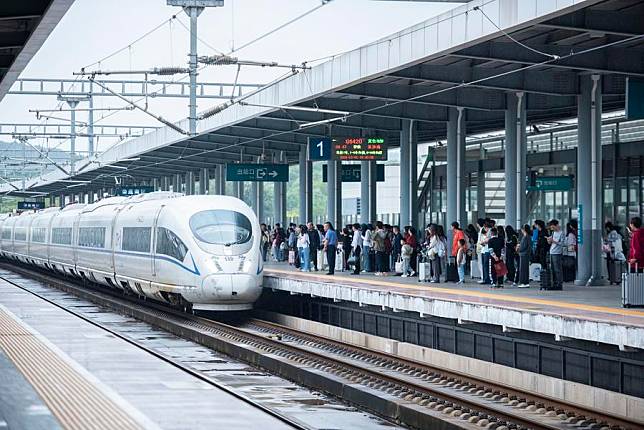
{"points": [[319, 148]]}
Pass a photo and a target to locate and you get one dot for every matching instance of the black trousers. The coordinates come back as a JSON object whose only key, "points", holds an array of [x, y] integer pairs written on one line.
{"points": [[330, 257], [524, 270], [356, 267], [314, 257]]}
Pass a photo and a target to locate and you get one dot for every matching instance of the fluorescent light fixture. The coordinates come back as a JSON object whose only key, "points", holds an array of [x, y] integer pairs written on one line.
{"points": [[128, 159], [322, 122], [114, 166], [72, 181], [74, 185]]}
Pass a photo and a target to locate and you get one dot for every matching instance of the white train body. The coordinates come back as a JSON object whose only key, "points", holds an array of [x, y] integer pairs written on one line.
{"points": [[199, 249]]}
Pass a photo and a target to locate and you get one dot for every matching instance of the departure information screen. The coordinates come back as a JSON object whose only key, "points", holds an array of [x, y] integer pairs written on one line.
{"points": [[360, 149]]}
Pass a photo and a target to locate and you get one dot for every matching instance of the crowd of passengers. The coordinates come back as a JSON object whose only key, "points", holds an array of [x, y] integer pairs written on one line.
{"points": [[495, 254]]}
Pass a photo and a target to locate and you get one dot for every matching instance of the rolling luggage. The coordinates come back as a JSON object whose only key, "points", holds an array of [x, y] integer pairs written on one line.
{"points": [[452, 271], [615, 271], [475, 270], [545, 280], [339, 260], [632, 289], [569, 270], [424, 270], [291, 258], [535, 272]]}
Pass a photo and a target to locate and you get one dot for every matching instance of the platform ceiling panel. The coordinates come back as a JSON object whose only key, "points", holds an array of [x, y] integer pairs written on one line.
{"points": [[457, 59]]}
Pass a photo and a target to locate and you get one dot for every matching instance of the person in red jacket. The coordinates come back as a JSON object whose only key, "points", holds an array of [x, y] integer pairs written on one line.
{"points": [[457, 236], [636, 252]]}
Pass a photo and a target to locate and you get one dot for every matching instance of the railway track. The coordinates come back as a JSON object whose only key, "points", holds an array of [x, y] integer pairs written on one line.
{"points": [[409, 392]]}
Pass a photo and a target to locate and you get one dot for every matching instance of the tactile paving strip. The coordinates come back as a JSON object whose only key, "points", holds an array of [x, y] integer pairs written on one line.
{"points": [[74, 400]]}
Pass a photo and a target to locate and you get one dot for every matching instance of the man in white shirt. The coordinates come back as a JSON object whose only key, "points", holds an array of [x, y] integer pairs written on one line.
{"points": [[556, 241]]}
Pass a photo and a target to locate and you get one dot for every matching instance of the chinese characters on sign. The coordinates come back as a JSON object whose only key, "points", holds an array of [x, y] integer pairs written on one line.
{"points": [[257, 172], [133, 191], [23, 206], [360, 149]]}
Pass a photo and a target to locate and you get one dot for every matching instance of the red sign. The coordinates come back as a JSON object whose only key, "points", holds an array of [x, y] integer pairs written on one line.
{"points": [[360, 149]]}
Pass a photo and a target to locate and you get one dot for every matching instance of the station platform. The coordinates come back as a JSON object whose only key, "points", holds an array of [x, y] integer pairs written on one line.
{"points": [[60, 371], [584, 313]]}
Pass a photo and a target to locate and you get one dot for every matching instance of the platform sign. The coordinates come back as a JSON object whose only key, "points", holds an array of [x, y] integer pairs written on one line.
{"points": [[25, 206], [360, 149], [353, 173], [134, 190], [551, 183], [580, 225], [257, 172], [319, 148], [634, 98]]}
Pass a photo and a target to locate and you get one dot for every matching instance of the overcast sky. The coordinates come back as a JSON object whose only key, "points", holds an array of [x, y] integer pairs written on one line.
{"points": [[93, 29]]}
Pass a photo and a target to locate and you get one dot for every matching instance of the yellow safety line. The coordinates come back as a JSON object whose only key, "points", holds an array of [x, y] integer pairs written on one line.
{"points": [[480, 294], [74, 400]]}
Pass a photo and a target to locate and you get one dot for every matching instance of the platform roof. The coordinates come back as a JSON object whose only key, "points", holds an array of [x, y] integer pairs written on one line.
{"points": [[24, 27], [498, 44]]}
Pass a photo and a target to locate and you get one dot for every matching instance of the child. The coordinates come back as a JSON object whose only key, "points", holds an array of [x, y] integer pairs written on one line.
{"points": [[461, 258]]}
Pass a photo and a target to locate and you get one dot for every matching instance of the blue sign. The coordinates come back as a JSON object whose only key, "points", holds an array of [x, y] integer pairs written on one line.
{"points": [[133, 191], [25, 206], [634, 98], [319, 148], [257, 172], [551, 183], [580, 225]]}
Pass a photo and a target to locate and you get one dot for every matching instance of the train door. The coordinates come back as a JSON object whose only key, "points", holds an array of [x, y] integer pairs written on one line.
{"points": [[75, 233], [153, 260], [116, 240]]}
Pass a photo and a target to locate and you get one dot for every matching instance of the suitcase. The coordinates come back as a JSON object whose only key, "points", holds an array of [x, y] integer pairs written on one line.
{"points": [[545, 280], [632, 289], [452, 271], [339, 260], [475, 270], [569, 270], [424, 270], [615, 270], [535, 272], [291, 257]]}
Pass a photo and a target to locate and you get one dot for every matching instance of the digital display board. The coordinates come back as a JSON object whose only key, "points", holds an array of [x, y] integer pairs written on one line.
{"points": [[360, 149], [24, 206]]}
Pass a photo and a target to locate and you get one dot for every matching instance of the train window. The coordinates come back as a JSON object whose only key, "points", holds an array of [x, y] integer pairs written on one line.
{"points": [[136, 239], [61, 236], [38, 235], [20, 234], [6, 233], [169, 244], [221, 227], [91, 237]]}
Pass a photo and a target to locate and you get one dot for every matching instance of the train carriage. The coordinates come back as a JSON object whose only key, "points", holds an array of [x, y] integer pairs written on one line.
{"points": [[201, 251]]}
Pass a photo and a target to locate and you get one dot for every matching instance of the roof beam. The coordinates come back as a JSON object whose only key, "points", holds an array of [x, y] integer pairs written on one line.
{"points": [[617, 23], [606, 60]]}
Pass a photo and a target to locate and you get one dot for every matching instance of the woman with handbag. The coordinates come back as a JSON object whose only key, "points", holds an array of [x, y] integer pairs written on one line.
{"points": [[498, 267]]}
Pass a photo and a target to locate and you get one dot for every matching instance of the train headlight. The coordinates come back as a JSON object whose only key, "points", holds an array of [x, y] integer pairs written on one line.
{"points": [[217, 267]]}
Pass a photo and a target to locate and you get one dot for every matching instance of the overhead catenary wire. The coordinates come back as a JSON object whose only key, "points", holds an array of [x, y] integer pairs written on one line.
{"points": [[280, 133]]}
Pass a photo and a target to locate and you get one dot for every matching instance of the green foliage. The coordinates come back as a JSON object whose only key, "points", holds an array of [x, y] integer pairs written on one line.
{"points": [[293, 191]]}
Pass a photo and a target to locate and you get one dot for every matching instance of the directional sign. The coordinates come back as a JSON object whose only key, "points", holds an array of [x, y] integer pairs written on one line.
{"points": [[133, 191], [257, 172], [551, 183], [25, 206], [352, 173], [319, 148], [360, 149]]}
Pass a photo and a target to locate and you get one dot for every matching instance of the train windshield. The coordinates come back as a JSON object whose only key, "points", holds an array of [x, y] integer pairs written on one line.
{"points": [[221, 227]]}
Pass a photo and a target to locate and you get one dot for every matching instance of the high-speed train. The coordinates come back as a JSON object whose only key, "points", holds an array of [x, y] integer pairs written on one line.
{"points": [[190, 251]]}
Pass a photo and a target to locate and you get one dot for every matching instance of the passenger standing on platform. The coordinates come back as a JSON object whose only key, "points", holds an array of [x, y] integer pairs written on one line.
{"points": [[511, 242], [525, 250], [434, 252], [496, 246], [278, 238], [379, 248], [461, 258], [330, 246], [457, 235], [396, 243], [321, 258], [636, 251], [346, 239], [303, 247], [356, 247], [614, 252], [480, 225], [542, 246], [556, 242], [408, 250], [314, 244], [367, 243], [569, 259], [265, 240], [484, 238]]}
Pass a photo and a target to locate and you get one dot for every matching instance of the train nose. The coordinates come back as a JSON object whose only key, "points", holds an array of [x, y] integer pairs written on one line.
{"points": [[219, 287]]}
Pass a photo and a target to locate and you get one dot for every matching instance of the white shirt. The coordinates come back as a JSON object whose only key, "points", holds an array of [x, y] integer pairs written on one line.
{"points": [[366, 239], [303, 240], [357, 240]]}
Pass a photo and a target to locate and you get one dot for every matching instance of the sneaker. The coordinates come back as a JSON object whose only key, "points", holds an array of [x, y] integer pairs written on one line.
{"points": [[523, 286], [404, 275], [459, 283], [412, 273], [480, 282]]}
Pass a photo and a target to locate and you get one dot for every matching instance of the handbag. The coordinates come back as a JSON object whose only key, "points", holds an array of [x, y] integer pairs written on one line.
{"points": [[500, 269], [351, 261], [398, 267]]}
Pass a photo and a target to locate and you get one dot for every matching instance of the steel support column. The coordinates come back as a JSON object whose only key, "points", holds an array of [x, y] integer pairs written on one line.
{"points": [[405, 173], [303, 183], [456, 166], [259, 205], [253, 196], [373, 200], [515, 160], [480, 194], [190, 183], [364, 193], [204, 180], [589, 190], [176, 185], [220, 180]]}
